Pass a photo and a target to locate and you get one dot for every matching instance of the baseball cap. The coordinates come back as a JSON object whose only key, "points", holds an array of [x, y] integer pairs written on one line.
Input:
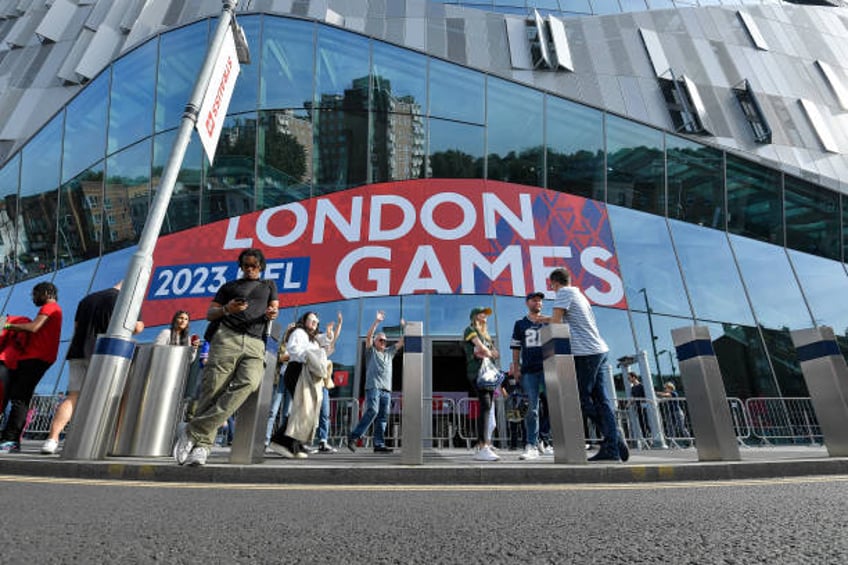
{"points": [[479, 309], [534, 295]]}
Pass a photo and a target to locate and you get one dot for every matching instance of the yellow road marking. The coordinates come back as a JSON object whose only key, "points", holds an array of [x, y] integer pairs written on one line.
{"points": [[425, 488]]}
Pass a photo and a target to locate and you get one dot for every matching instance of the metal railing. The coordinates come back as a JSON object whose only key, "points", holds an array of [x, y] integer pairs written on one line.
{"points": [[757, 420]]}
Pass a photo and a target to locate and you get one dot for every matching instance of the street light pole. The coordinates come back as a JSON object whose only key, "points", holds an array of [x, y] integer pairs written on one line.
{"points": [[97, 407], [653, 336]]}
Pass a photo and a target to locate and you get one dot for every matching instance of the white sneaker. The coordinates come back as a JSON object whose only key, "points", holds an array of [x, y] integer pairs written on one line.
{"points": [[486, 454], [530, 452], [197, 457], [544, 449], [183, 447], [49, 447]]}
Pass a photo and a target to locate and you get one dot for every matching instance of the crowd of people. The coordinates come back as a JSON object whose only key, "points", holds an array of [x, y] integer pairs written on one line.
{"points": [[232, 363]]}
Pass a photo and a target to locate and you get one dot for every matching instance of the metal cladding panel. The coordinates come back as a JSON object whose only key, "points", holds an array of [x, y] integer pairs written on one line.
{"points": [[835, 83], [67, 71], [753, 31], [697, 102], [519, 47], [103, 47], [820, 127], [562, 51], [544, 40], [56, 20], [654, 47]]}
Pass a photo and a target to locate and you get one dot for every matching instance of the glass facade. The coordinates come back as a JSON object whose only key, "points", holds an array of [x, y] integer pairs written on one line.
{"points": [[701, 235]]}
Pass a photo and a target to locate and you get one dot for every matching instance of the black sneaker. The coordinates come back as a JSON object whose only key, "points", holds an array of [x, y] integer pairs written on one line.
{"points": [[623, 450], [604, 456], [382, 449], [351, 444]]}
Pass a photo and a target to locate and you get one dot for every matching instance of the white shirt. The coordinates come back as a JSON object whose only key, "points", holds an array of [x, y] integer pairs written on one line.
{"points": [[585, 337]]}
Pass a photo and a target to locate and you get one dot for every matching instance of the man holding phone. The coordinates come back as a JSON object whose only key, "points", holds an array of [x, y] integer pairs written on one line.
{"points": [[244, 308]]}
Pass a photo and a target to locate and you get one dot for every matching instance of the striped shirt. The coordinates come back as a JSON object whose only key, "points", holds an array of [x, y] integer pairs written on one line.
{"points": [[585, 337]]}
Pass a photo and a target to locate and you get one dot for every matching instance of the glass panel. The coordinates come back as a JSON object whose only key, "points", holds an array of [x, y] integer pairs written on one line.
{"points": [[774, 292], [844, 201], [112, 268], [514, 133], [398, 103], [85, 128], [784, 360], [400, 80], [39, 199], [812, 218], [341, 150], [644, 249], [287, 63], [284, 157], [824, 284], [73, 283], [456, 150], [342, 70], [127, 196], [695, 183], [80, 217], [635, 166], [744, 365], [9, 180], [450, 315], [131, 101], [184, 206], [246, 93], [662, 357], [4, 297], [753, 201], [229, 182], [181, 55], [456, 93], [711, 276], [615, 329], [575, 144]]}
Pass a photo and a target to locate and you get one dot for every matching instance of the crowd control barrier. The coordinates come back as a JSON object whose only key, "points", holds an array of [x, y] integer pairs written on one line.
{"points": [[150, 405]]}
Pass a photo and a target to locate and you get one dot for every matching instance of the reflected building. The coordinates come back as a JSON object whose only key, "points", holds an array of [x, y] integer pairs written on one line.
{"points": [[686, 155]]}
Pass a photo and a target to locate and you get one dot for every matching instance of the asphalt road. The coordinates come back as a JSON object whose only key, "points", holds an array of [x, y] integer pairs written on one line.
{"points": [[789, 521]]}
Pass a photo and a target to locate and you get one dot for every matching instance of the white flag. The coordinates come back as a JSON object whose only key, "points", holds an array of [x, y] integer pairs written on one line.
{"points": [[213, 109]]}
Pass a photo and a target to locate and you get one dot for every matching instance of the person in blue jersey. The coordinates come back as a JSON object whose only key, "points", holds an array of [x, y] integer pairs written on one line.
{"points": [[527, 367], [590, 353]]}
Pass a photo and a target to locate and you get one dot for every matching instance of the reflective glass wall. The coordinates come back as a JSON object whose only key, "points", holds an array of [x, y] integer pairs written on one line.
{"points": [[702, 235]]}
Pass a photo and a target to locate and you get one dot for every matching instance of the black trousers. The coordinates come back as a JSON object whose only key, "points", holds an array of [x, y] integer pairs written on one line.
{"points": [[22, 383]]}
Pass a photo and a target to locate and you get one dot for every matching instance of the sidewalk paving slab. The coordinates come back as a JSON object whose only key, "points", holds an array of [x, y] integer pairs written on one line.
{"points": [[440, 467]]}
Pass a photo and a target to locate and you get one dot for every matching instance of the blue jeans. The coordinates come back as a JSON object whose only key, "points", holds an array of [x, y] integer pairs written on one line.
{"points": [[377, 404], [324, 418], [531, 384], [593, 399]]}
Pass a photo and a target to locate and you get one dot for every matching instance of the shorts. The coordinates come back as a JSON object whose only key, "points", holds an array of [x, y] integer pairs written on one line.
{"points": [[76, 373]]}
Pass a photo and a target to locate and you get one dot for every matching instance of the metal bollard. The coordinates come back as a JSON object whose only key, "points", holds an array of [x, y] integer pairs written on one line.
{"points": [[563, 397], [249, 439], [826, 375], [96, 412], [709, 413], [654, 421], [412, 452]]}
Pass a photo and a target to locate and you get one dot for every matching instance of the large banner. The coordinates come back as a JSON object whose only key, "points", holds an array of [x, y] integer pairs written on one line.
{"points": [[438, 236]]}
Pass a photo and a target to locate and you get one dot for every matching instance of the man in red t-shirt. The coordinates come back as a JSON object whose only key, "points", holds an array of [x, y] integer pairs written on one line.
{"points": [[40, 352]]}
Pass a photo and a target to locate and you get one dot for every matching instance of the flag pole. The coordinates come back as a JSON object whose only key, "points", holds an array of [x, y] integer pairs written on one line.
{"points": [[96, 412]]}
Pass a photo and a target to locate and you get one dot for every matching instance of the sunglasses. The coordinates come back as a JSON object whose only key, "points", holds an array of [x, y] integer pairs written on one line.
{"points": [[245, 266]]}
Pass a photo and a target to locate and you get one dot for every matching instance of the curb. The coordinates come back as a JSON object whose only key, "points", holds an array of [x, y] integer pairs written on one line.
{"points": [[433, 475]]}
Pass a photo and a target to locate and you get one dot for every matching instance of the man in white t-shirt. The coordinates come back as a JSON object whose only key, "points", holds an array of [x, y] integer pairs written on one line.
{"points": [[590, 354]]}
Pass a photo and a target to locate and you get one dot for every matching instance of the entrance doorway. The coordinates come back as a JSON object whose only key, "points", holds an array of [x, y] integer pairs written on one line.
{"points": [[448, 366]]}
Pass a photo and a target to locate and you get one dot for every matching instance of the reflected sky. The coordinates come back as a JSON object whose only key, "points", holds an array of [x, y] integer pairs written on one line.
{"points": [[825, 285], [771, 284], [647, 260], [711, 276]]}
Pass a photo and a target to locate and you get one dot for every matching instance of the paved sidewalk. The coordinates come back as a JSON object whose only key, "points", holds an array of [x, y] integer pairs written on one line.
{"points": [[444, 466]]}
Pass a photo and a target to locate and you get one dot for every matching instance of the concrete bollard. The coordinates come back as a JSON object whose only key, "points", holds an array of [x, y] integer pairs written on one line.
{"points": [[249, 439], [712, 425], [826, 375], [563, 397], [413, 395]]}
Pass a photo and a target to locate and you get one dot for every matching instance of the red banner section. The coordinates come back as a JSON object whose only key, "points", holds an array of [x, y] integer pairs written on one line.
{"points": [[437, 236]]}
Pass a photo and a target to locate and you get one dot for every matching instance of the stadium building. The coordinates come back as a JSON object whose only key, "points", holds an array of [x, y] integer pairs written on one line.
{"points": [[686, 160]]}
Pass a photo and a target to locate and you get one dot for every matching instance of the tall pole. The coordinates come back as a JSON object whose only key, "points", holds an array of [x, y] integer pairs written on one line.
{"points": [[96, 410], [653, 335]]}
